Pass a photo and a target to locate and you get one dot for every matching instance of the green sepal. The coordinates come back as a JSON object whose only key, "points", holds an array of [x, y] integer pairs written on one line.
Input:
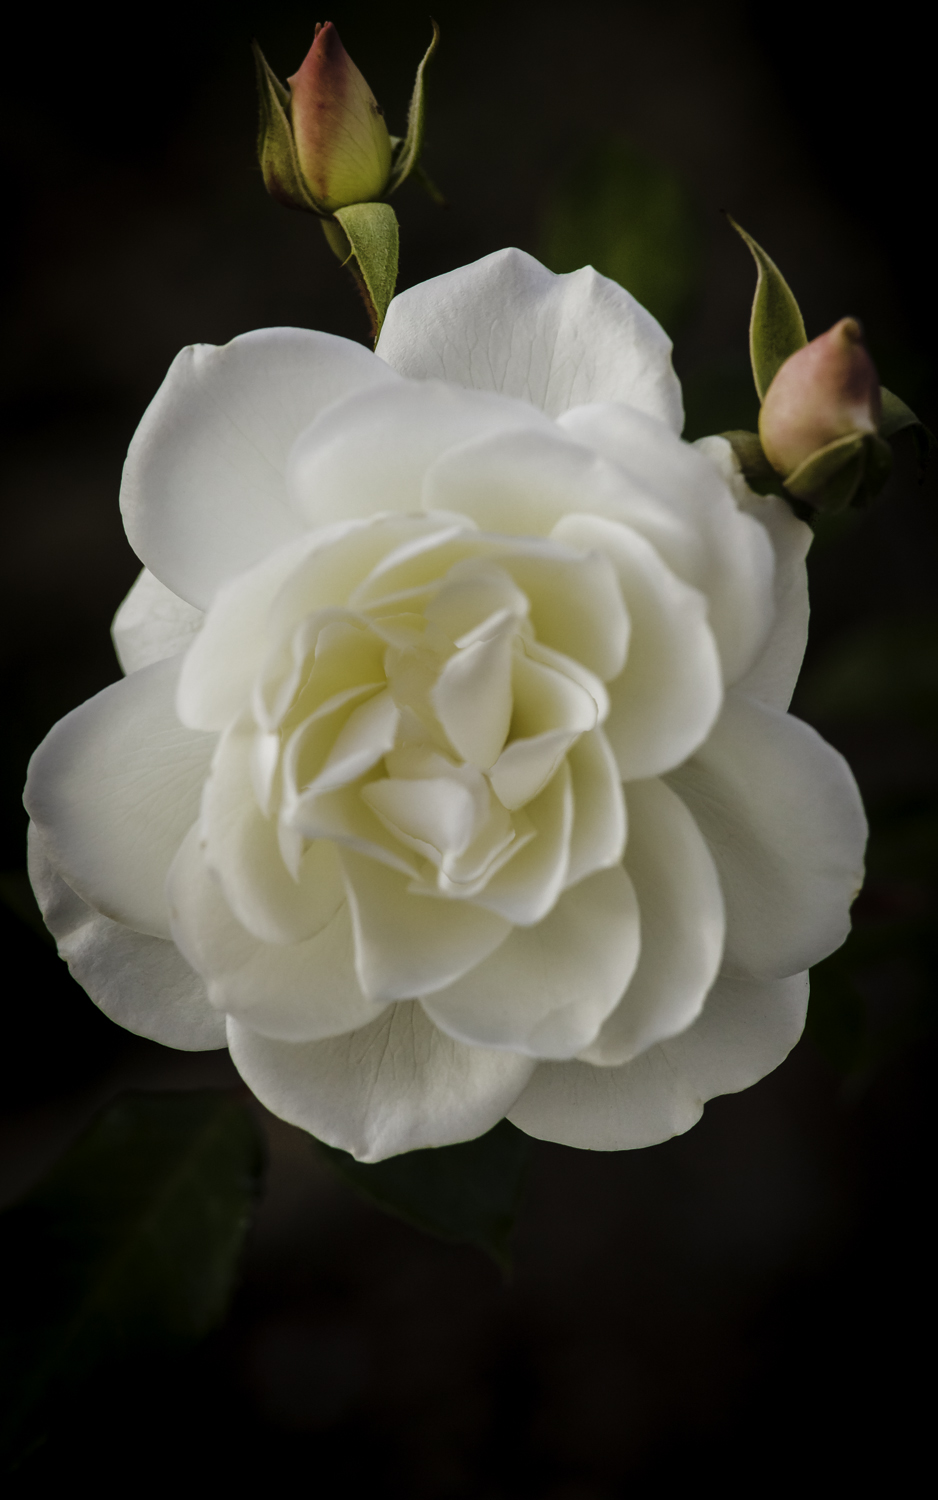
{"points": [[468, 1193], [409, 153], [776, 328], [751, 456], [897, 417], [276, 149], [420, 175], [372, 233], [849, 471]]}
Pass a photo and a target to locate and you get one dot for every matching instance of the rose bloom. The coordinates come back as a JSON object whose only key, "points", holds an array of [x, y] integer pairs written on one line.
{"points": [[451, 776]]}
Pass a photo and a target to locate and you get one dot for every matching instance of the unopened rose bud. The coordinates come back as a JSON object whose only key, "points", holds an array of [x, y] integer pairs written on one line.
{"points": [[342, 142], [826, 391], [323, 144]]}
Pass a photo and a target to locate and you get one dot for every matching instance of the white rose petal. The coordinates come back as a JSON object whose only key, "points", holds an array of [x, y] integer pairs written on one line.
{"points": [[113, 789], [152, 624], [508, 325], [380, 800], [398, 1084], [785, 824], [143, 983], [745, 1030], [679, 897], [204, 491], [772, 677], [302, 992], [732, 563]]}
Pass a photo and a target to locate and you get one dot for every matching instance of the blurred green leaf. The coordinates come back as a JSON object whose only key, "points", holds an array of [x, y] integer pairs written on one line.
{"points": [[776, 328], [469, 1193], [130, 1244], [631, 219]]}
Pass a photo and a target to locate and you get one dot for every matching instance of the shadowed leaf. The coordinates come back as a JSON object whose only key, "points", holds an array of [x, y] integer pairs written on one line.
{"points": [[130, 1244], [469, 1193]]}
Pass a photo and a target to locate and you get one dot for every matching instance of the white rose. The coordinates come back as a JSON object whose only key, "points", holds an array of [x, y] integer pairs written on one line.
{"points": [[451, 777]]}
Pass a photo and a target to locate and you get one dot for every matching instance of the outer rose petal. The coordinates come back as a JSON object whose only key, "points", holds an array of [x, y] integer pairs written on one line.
{"points": [[507, 324], [296, 993], [733, 562], [113, 788], [203, 495], [370, 452], [664, 703], [682, 926], [782, 815], [142, 983], [152, 624], [396, 1085], [548, 989], [772, 677], [747, 1028]]}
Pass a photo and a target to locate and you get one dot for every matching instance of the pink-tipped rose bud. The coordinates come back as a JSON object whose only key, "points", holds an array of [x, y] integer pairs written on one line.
{"points": [[827, 390], [342, 143]]}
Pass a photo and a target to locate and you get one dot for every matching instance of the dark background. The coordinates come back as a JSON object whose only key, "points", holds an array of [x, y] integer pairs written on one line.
{"points": [[747, 1305]]}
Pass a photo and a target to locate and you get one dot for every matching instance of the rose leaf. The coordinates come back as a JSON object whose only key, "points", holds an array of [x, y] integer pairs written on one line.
{"points": [[129, 1246], [468, 1193]]}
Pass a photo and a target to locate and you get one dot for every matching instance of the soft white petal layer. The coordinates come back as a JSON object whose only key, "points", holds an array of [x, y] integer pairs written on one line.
{"points": [[257, 613], [369, 454], [143, 983], [664, 703], [396, 1085], [682, 926], [526, 888], [599, 817], [242, 848], [113, 788], [783, 817], [746, 1029], [732, 562], [772, 677], [219, 669], [297, 992], [518, 483], [203, 494], [548, 989], [507, 324], [152, 624], [472, 697], [408, 944]]}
